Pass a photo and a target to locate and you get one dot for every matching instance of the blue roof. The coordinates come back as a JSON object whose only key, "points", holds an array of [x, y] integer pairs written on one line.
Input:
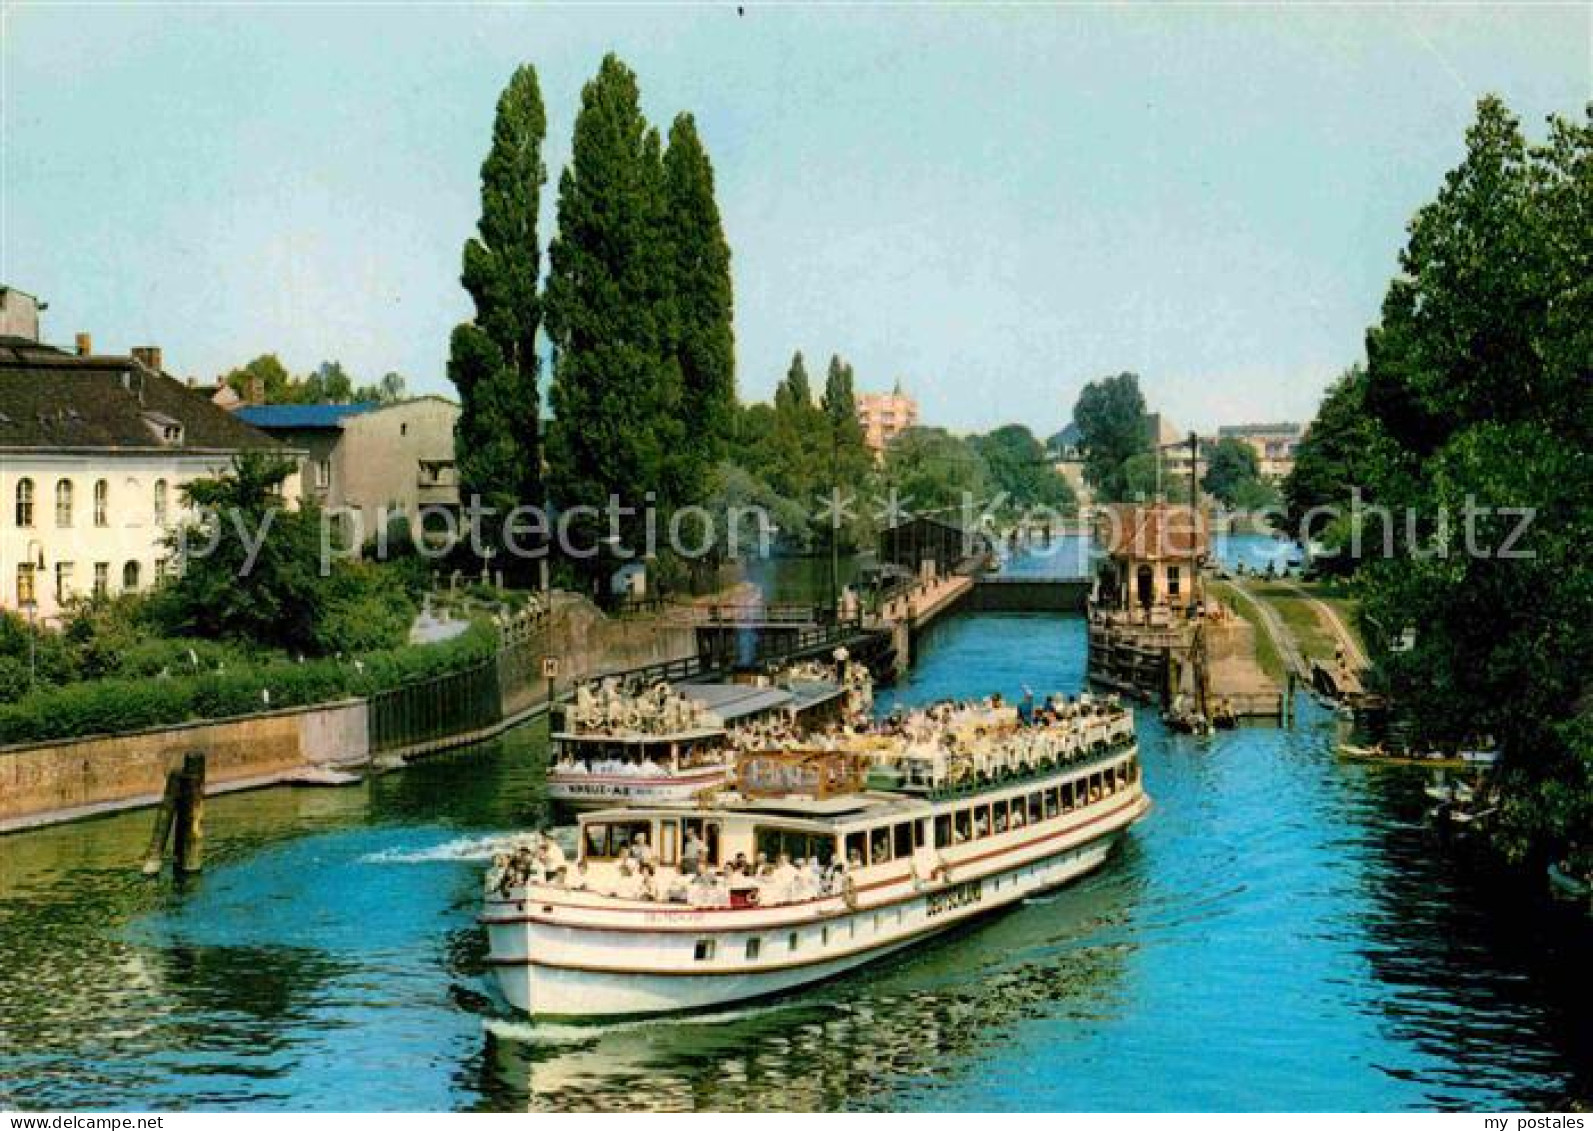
{"points": [[301, 415]]}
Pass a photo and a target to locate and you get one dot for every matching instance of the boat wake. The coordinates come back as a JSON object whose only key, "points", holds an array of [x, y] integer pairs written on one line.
{"points": [[472, 848]]}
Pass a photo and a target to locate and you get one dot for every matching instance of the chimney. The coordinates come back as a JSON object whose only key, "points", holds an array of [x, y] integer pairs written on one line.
{"points": [[148, 357], [85, 343]]}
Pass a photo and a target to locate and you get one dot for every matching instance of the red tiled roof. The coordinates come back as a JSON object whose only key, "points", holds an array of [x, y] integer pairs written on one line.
{"points": [[1155, 532]]}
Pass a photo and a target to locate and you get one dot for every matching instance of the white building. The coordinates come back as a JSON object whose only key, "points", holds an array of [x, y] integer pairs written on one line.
{"points": [[94, 453]]}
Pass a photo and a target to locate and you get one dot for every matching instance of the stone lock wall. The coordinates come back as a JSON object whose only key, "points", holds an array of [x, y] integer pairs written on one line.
{"points": [[86, 775]]}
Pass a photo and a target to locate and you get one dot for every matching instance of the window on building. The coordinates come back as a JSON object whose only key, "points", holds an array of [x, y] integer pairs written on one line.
{"points": [[323, 473], [27, 594], [130, 576], [161, 494], [24, 502], [102, 578], [161, 569], [63, 502], [102, 502], [1174, 580], [63, 581]]}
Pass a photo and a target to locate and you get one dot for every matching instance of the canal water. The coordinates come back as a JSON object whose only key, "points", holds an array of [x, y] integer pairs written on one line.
{"points": [[1280, 933]]}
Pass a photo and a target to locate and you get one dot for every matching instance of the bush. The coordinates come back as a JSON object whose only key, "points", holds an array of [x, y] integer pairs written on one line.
{"points": [[112, 706]]}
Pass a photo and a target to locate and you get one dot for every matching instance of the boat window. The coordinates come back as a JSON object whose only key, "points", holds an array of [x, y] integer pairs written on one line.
{"points": [[904, 840], [1069, 796], [707, 832], [998, 822], [879, 844], [981, 820], [1034, 808], [920, 830], [753, 947], [773, 842], [824, 937], [1051, 796], [856, 849], [943, 830], [705, 950], [963, 825], [668, 841], [794, 941], [606, 841]]}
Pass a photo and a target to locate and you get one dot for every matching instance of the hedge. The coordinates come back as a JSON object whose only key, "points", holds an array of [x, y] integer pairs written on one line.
{"points": [[113, 706]]}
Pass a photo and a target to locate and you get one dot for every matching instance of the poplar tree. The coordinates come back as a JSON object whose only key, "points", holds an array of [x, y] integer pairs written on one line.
{"points": [[703, 300], [616, 390], [493, 359]]}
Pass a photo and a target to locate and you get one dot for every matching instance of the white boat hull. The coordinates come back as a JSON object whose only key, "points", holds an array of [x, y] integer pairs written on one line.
{"points": [[651, 965]]}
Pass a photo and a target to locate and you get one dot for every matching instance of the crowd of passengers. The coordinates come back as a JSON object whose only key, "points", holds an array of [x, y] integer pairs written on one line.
{"points": [[640, 764], [637, 874]]}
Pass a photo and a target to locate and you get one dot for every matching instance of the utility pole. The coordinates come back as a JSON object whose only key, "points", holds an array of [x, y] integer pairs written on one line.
{"points": [[835, 521], [1194, 519]]}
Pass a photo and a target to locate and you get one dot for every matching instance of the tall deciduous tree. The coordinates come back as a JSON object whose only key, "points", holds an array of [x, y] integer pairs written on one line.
{"points": [[616, 390], [1480, 380], [797, 436], [1020, 469], [493, 359], [1110, 415], [705, 346]]}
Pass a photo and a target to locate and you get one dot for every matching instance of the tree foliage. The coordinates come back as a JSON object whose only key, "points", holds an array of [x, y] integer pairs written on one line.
{"points": [[1019, 468], [1110, 415], [265, 380], [617, 390], [704, 337], [493, 359], [250, 569], [1479, 388], [934, 472]]}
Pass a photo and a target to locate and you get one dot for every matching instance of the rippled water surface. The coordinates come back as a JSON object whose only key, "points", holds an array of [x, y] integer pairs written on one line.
{"points": [[1279, 933]]}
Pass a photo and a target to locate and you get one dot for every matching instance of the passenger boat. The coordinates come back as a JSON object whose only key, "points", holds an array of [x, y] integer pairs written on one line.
{"points": [[804, 872], [666, 744]]}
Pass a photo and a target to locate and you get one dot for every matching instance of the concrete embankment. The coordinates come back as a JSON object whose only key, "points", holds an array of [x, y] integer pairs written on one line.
{"points": [[45, 783]]}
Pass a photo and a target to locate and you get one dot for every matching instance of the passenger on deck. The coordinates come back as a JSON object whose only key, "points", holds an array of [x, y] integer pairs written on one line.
{"points": [[692, 854], [702, 890], [641, 851], [739, 865], [577, 880]]}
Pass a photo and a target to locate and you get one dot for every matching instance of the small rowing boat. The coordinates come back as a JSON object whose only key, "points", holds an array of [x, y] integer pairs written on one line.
{"points": [[1436, 759], [1563, 883]]}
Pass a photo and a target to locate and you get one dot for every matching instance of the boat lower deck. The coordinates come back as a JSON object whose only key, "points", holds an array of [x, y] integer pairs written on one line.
{"points": [[671, 959]]}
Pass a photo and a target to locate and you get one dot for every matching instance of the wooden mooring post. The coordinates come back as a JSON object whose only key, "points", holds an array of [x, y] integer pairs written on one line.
{"points": [[182, 806], [190, 848]]}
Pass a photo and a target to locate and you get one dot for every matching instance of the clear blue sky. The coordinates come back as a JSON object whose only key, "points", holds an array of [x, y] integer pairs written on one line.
{"points": [[992, 204]]}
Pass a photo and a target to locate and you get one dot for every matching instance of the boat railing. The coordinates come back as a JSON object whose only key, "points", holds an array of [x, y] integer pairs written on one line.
{"points": [[1083, 756]]}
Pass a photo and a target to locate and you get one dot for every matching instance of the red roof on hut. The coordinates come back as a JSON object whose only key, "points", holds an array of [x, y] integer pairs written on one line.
{"points": [[1155, 532]]}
